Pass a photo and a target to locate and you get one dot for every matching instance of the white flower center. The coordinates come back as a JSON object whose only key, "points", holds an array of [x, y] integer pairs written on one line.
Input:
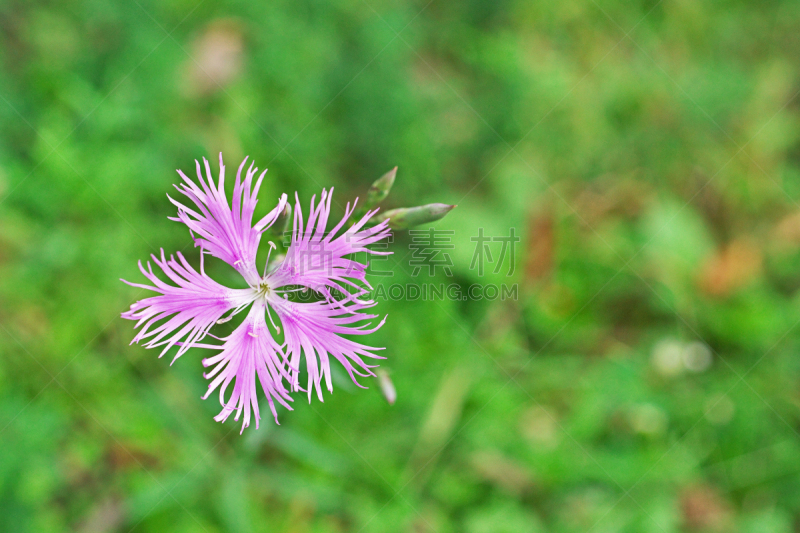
{"points": [[263, 290]]}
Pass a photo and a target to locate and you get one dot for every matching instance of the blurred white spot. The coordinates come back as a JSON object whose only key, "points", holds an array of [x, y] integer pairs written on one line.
{"points": [[648, 419], [387, 386], [697, 357], [667, 357]]}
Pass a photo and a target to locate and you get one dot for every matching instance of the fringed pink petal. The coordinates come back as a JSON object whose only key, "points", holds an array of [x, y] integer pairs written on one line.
{"points": [[247, 357], [315, 329], [224, 230], [319, 260], [183, 313]]}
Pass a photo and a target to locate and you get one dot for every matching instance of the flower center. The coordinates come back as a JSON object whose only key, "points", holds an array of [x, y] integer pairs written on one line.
{"points": [[263, 290]]}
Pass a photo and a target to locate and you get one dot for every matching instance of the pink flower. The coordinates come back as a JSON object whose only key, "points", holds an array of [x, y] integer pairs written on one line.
{"points": [[183, 313]]}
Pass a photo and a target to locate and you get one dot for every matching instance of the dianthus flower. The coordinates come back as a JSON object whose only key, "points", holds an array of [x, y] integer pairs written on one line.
{"points": [[185, 310]]}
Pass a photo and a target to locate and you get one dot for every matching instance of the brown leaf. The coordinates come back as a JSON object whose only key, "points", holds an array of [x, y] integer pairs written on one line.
{"points": [[32, 323], [612, 196], [302, 510], [121, 457], [501, 471], [704, 509], [107, 515], [788, 229], [540, 247], [216, 57], [731, 268], [539, 427]]}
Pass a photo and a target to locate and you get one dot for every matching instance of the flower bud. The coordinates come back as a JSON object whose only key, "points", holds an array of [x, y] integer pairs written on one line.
{"points": [[408, 217], [380, 188], [282, 223]]}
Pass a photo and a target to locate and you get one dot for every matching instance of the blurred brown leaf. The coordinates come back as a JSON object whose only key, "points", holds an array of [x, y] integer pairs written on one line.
{"points": [[612, 195], [788, 229], [428, 520], [731, 268], [703, 509], [501, 471], [216, 57], [106, 515], [301, 512], [32, 323], [540, 247], [500, 319], [121, 457], [539, 427]]}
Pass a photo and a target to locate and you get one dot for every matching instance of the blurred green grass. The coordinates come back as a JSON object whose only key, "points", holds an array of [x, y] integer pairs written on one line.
{"points": [[647, 152]]}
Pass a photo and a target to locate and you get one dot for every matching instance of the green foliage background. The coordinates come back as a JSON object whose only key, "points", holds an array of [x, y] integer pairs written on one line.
{"points": [[648, 153]]}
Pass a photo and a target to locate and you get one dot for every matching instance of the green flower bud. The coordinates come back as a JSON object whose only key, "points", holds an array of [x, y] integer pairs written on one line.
{"points": [[281, 224], [408, 217], [379, 190]]}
